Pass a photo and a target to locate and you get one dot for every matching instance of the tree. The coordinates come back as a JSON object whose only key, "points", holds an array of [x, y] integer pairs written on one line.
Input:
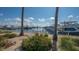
{"points": [[54, 45], [22, 20]]}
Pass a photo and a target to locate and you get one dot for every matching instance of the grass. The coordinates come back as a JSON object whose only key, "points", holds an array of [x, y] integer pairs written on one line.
{"points": [[4, 41], [9, 35], [4, 31], [76, 40], [69, 44], [42, 42], [38, 42]]}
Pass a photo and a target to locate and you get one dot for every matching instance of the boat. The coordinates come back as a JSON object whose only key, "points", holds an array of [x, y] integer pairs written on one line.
{"points": [[69, 28]]}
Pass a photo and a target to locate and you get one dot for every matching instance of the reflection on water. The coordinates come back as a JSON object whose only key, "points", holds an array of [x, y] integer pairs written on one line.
{"points": [[30, 30]]}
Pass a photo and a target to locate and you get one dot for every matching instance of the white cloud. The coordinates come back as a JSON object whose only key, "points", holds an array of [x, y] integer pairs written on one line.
{"points": [[52, 18], [17, 19], [30, 21], [70, 16], [12, 19], [27, 20], [41, 19], [31, 18]]}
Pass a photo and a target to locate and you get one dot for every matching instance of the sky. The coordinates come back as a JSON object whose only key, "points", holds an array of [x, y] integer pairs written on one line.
{"points": [[37, 16]]}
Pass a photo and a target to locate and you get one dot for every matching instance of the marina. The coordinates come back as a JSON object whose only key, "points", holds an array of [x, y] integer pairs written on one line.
{"points": [[39, 30], [66, 28]]}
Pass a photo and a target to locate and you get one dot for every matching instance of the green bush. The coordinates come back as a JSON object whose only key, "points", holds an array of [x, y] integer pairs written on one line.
{"points": [[2, 42], [9, 35], [46, 35], [67, 44], [38, 42], [3, 39], [4, 31], [76, 40]]}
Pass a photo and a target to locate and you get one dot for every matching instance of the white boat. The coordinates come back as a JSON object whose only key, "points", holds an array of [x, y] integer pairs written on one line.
{"points": [[69, 27]]}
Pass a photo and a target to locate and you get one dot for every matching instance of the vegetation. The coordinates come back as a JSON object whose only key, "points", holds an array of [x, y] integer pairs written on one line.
{"points": [[4, 31], [10, 35], [38, 42], [4, 42], [76, 40], [7, 34], [69, 44]]}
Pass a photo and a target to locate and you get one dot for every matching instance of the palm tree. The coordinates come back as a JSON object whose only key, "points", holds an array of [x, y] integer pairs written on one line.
{"points": [[22, 20], [54, 46]]}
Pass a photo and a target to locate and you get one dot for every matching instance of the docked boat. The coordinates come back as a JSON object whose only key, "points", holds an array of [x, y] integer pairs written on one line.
{"points": [[69, 27]]}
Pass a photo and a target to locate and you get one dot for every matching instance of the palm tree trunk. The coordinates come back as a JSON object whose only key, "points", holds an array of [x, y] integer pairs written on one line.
{"points": [[54, 45], [22, 20]]}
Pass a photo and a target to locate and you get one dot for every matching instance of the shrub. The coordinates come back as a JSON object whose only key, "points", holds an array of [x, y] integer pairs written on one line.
{"points": [[2, 42], [9, 35], [38, 42], [46, 35], [67, 44], [76, 41], [4, 31]]}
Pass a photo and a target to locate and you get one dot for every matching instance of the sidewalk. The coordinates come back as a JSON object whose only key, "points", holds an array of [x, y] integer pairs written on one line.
{"points": [[18, 41]]}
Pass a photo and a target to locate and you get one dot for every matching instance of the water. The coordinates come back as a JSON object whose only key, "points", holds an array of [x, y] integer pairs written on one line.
{"points": [[43, 30], [30, 30]]}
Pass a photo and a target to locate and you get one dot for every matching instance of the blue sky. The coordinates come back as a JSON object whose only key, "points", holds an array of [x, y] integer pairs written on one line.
{"points": [[37, 16]]}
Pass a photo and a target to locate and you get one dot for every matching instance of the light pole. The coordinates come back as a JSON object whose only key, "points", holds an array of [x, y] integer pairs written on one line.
{"points": [[22, 22], [54, 44]]}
